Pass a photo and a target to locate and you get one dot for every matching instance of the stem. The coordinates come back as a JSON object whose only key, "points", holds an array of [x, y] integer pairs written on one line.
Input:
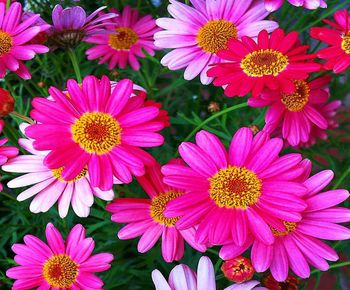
{"points": [[334, 266], [213, 117], [340, 180], [8, 3], [75, 64], [22, 117]]}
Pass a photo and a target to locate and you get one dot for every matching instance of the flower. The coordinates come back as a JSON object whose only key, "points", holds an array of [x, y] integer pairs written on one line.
{"points": [[275, 61], [49, 186], [198, 33], [131, 35], [273, 5], [7, 103], [298, 245], [6, 152], [337, 53], [15, 36], [95, 127], [291, 283], [238, 270], [58, 264], [296, 114], [71, 25], [230, 196], [183, 277], [145, 217]]}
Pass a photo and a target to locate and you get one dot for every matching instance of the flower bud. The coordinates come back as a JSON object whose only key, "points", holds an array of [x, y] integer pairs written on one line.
{"points": [[291, 283], [238, 270], [7, 103]]}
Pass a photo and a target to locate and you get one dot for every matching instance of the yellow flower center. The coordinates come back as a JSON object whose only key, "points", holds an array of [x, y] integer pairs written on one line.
{"points": [[215, 34], [5, 42], [96, 132], [57, 173], [235, 187], [345, 44], [123, 39], [290, 227], [60, 271], [296, 102], [158, 205], [264, 62]]}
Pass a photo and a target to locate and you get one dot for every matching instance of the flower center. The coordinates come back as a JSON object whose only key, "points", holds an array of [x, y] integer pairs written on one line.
{"points": [[235, 187], [290, 227], [57, 173], [60, 271], [215, 34], [158, 205], [264, 62], [123, 39], [96, 132], [345, 44], [5, 42], [296, 102]]}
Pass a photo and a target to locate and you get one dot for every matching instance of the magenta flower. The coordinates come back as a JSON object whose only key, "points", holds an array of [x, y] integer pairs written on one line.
{"points": [[273, 5], [15, 37], [58, 264], [198, 33], [131, 34], [48, 186], [71, 25], [298, 245], [146, 218], [230, 196], [96, 127]]}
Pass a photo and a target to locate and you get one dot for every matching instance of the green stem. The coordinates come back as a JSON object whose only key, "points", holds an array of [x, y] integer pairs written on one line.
{"points": [[340, 180], [22, 117], [334, 266], [8, 195], [213, 117], [8, 2], [75, 64]]}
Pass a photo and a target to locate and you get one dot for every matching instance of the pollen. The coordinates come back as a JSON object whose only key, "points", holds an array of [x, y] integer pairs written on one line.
{"points": [[235, 187], [5, 42], [215, 34], [60, 271], [345, 44], [290, 227], [264, 62], [96, 132], [296, 102], [158, 205], [123, 39], [57, 173]]}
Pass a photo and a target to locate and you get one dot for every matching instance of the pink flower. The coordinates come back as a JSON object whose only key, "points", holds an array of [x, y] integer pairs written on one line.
{"points": [[298, 245], [295, 115], [146, 218], [96, 127], [58, 264], [48, 185], [71, 25], [235, 194], [183, 277], [273, 5], [198, 33], [6, 152], [132, 35], [15, 36]]}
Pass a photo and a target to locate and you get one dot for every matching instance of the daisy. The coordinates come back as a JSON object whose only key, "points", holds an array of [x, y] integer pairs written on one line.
{"points": [[197, 33], [183, 277], [145, 218], [6, 152], [235, 194], [131, 34], [273, 5], [15, 37], [95, 127], [48, 186], [58, 264], [299, 244], [71, 25], [275, 61], [297, 113]]}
